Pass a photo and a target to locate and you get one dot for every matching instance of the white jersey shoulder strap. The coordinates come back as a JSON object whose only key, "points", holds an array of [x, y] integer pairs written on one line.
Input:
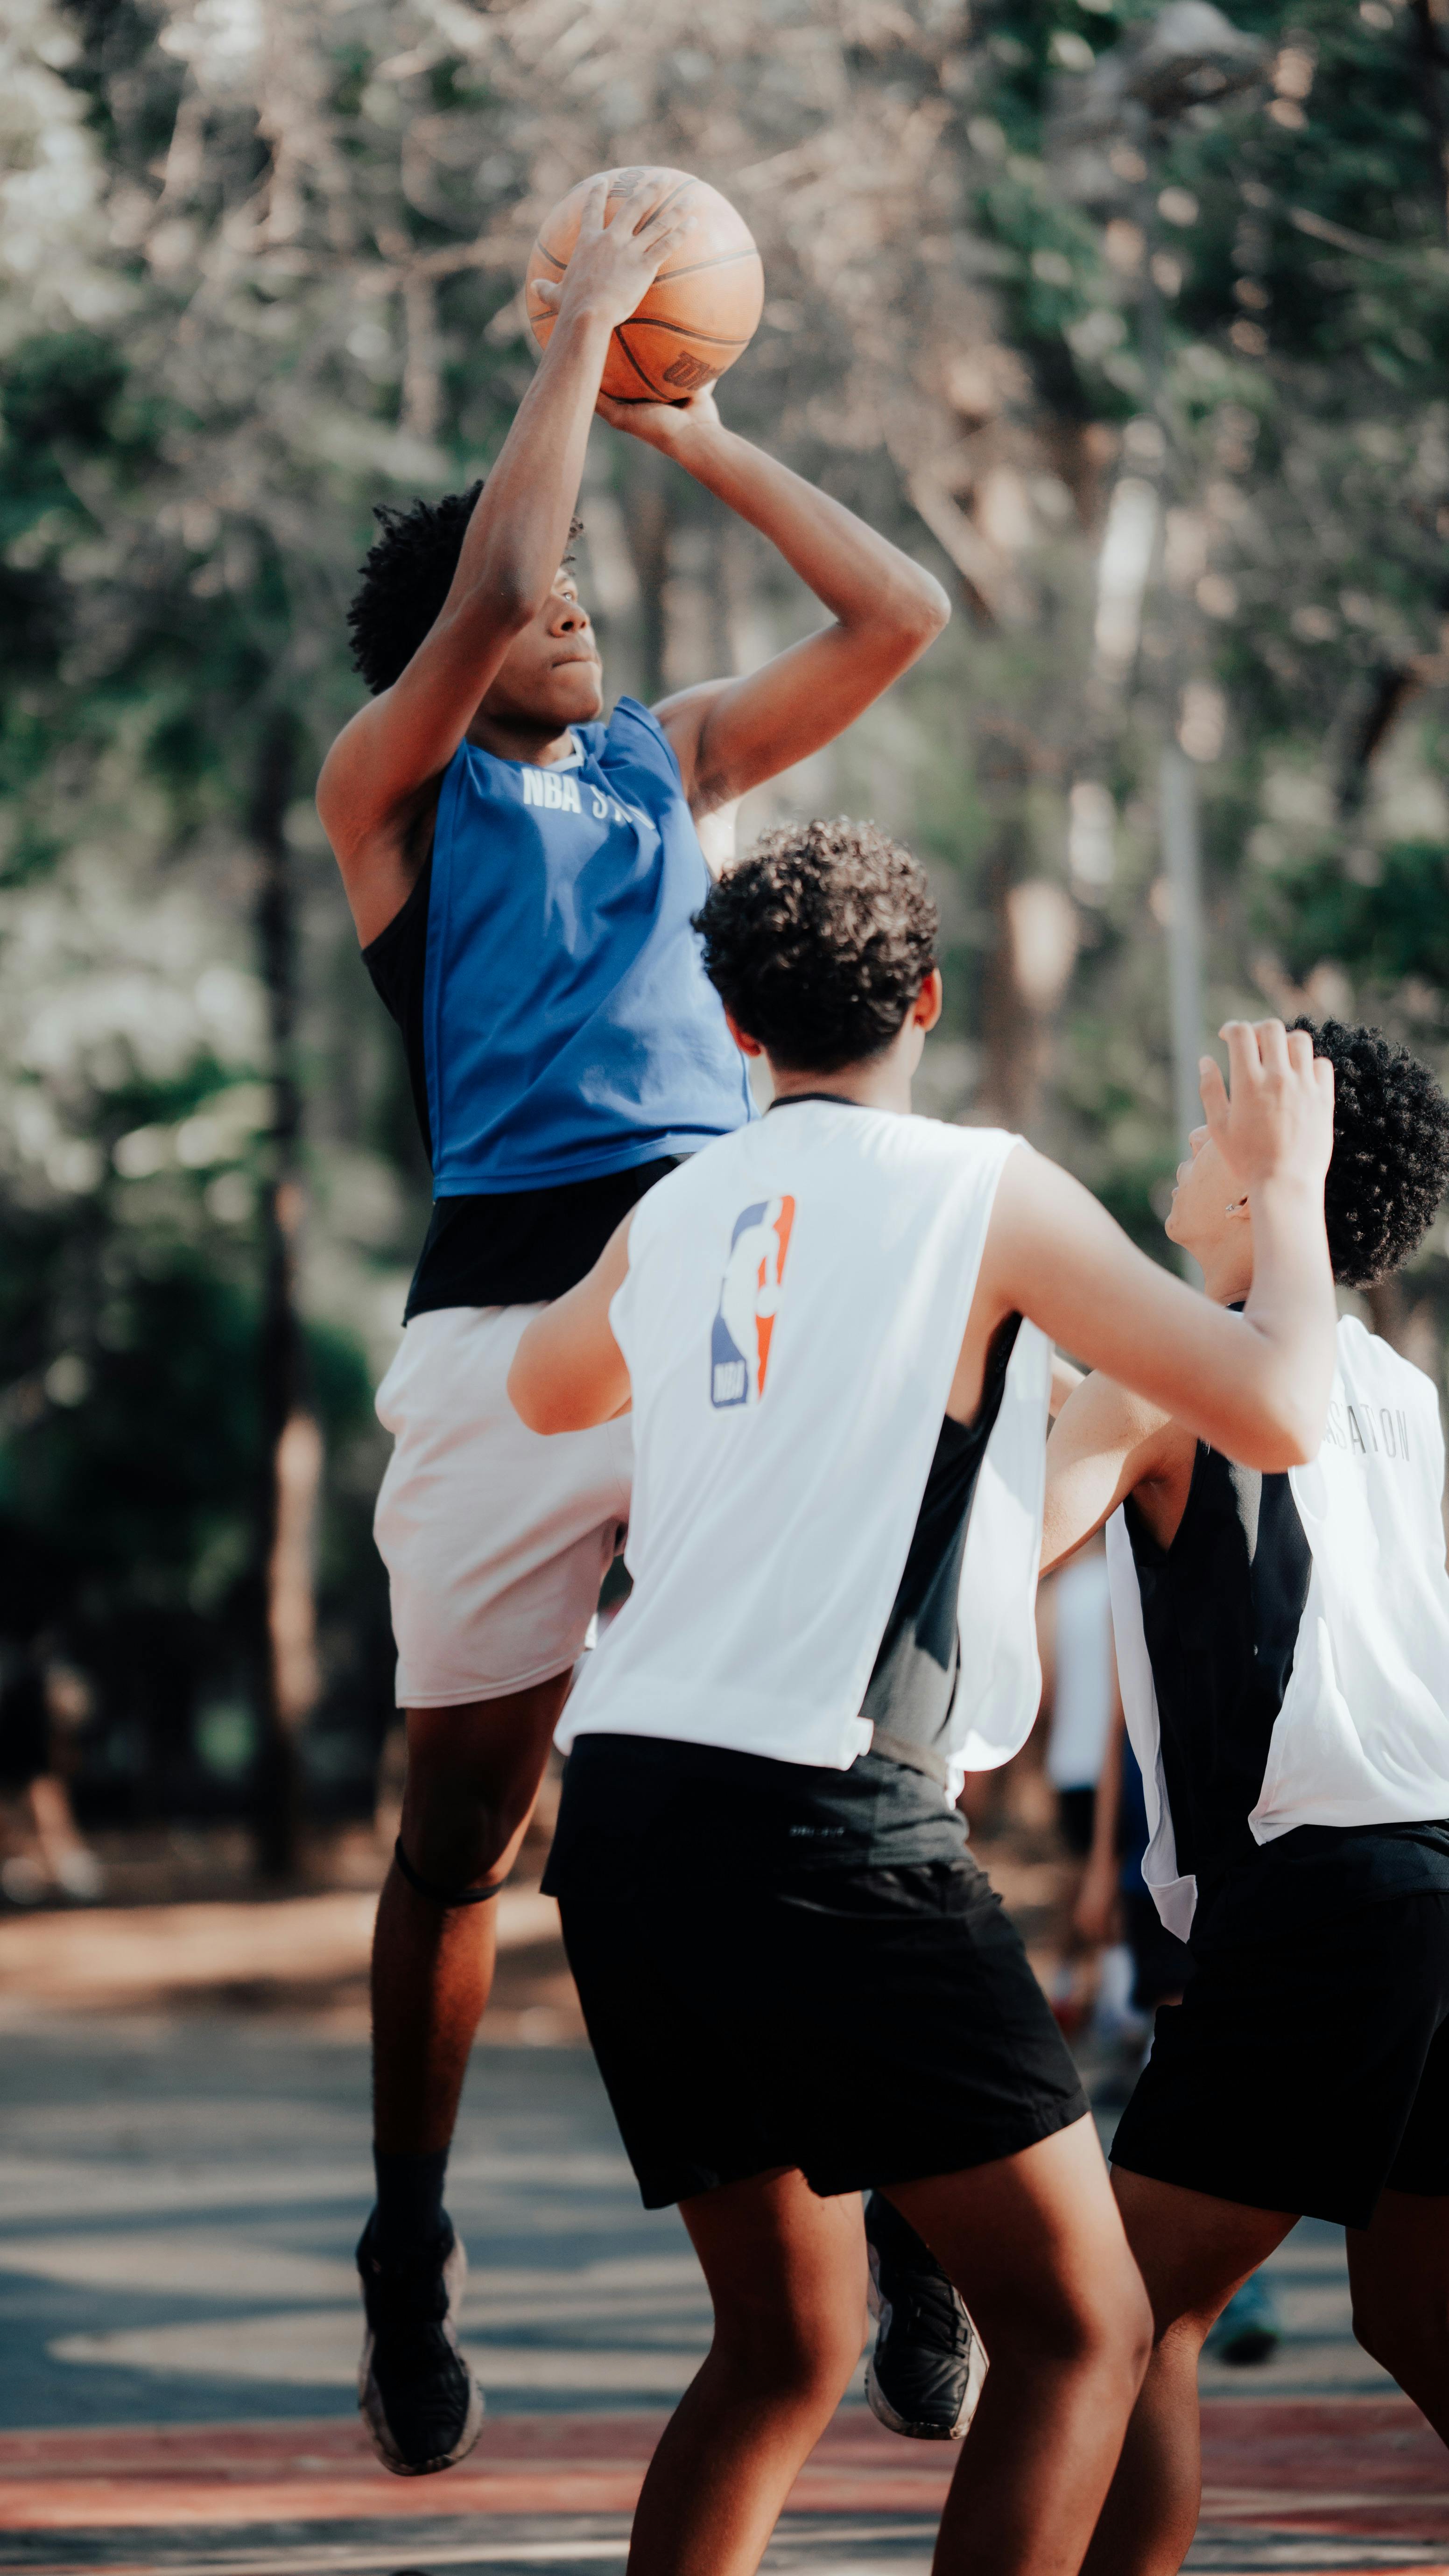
{"points": [[1174, 1896], [1000, 1686], [1363, 1733]]}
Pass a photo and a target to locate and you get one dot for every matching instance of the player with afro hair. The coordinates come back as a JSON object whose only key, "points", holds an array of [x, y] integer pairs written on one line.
{"points": [[1390, 1163], [406, 576], [824, 1326], [522, 870], [819, 942], [1283, 1647]]}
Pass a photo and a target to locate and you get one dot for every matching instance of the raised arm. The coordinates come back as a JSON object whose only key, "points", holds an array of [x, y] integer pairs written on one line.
{"points": [[1256, 1384], [1065, 1382], [1106, 1444], [388, 760], [728, 735], [568, 1371]]}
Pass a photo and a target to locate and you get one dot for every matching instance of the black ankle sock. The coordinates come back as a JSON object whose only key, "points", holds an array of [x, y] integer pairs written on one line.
{"points": [[409, 2201]]}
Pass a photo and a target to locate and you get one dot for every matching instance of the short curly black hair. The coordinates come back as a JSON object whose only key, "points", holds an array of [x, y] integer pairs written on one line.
{"points": [[405, 579], [1390, 1163], [819, 941]]}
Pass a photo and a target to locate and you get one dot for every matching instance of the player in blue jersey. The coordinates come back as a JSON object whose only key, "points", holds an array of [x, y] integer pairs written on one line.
{"points": [[522, 876]]}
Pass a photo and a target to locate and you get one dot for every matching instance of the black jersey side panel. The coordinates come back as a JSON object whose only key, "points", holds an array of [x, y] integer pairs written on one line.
{"points": [[1220, 1613], [913, 1683]]}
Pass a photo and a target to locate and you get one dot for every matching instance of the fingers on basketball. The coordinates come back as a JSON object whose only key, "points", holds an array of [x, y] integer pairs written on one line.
{"points": [[704, 305]]}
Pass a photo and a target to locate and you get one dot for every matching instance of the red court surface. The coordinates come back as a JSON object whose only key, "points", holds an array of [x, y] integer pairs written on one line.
{"points": [[1278, 2475]]}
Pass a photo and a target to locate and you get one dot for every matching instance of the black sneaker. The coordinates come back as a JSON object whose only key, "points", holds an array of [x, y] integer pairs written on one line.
{"points": [[419, 2400], [929, 2363]]}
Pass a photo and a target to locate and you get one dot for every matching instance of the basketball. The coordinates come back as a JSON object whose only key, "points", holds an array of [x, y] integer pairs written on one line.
{"points": [[703, 308]]}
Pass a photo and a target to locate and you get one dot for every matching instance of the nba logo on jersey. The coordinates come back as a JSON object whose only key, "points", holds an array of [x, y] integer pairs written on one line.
{"points": [[749, 1298]]}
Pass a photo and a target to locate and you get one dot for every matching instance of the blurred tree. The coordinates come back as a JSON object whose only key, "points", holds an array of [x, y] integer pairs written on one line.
{"points": [[1168, 402]]}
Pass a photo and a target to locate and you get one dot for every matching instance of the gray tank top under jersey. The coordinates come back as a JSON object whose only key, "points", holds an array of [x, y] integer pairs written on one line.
{"points": [[912, 1687]]}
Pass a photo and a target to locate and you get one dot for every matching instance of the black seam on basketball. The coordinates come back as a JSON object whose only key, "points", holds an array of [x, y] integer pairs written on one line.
{"points": [[684, 183], [646, 381], [552, 257], [726, 259], [684, 331]]}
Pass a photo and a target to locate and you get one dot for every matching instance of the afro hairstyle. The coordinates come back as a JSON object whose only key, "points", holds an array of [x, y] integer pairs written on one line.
{"points": [[1390, 1161], [819, 941], [405, 579]]}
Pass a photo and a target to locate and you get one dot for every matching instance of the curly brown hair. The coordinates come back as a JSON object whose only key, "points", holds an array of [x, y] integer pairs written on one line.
{"points": [[819, 941], [1390, 1163], [405, 578]]}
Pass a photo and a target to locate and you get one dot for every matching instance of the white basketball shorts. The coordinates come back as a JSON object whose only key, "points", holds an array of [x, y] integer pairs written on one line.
{"points": [[495, 1539]]}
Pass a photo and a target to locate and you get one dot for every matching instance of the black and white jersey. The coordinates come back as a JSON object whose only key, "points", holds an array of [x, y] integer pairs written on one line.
{"points": [[808, 1542], [1285, 1662]]}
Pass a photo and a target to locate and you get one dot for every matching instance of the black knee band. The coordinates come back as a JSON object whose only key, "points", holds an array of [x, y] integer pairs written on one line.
{"points": [[440, 1895]]}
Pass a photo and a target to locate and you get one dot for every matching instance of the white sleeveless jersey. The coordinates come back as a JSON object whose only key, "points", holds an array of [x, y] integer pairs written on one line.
{"points": [[1362, 1735], [792, 1318]]}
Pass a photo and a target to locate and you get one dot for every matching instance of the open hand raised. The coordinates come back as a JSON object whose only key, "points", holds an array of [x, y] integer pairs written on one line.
{"points": [[1277, 1122]]}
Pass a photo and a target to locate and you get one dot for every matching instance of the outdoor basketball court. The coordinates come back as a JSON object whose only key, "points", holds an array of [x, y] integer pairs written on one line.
{"points": [[178, 2331]]}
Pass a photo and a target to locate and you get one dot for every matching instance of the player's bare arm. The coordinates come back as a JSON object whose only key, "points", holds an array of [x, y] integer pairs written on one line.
{"points": [[568, 1370], [728, 735], [1255, 1384], [379, 783], [1065, 1382], [1109, 1443]]}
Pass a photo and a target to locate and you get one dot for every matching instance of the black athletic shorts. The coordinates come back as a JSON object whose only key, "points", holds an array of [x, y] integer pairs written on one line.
{"points": [[1306, 2069], [783, 1967]]}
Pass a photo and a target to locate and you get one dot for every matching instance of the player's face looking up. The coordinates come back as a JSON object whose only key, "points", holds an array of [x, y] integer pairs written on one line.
{"points": [[1208, 1211], [551, 675]]}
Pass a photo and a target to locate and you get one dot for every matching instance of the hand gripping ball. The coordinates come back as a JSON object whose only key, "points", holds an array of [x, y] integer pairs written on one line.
{"points": [[703, 308]]}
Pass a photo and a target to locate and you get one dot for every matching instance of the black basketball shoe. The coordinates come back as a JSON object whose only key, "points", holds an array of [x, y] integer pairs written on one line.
{"points": [[929, 2363], [419, 2400]]}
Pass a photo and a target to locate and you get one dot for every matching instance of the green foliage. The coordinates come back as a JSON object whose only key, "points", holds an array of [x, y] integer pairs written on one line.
{"points": [[1386, 931], [277, 287]]}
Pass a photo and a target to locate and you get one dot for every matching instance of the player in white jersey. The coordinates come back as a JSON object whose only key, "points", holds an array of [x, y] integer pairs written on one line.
{"points": [[1283, 1644], [795, 1979]]}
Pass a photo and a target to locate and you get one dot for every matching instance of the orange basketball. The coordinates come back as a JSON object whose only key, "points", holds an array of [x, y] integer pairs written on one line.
{"points": [[702, 309]]}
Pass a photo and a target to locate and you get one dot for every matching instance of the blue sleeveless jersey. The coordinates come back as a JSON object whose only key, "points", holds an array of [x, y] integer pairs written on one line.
{"points": [[569, 1029]]}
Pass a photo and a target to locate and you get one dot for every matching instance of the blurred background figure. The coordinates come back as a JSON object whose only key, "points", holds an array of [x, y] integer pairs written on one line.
{"points": [[1081, 1709], [43, 1704]]}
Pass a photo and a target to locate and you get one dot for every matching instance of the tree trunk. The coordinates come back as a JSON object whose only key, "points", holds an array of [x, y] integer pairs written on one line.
{"points": [[291, 1459], [1429, 31]]}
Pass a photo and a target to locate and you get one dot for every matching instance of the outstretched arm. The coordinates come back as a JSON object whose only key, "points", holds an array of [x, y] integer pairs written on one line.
{"points": [[728, 735], [1065, 1382], [1256, 1384], [388, 760], [568, 1371], [1106, 1444]]}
